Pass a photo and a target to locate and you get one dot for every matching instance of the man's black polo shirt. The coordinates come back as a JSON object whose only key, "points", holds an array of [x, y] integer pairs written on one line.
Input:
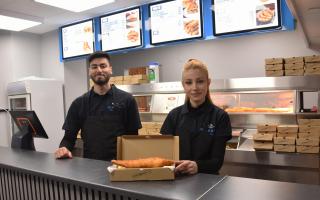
{"points": [[92, 104]]}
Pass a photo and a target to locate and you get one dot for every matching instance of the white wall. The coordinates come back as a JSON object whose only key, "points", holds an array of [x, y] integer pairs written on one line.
{"points": [[76, 80], [20, 56], [51, 67], [26, 55], [5, 77]]}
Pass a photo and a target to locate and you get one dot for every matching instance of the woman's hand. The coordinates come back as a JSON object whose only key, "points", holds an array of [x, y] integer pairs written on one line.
{"points": [[63, 152], [186, 167]]}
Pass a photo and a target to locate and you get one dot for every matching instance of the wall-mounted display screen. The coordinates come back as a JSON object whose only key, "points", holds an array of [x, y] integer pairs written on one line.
{"points": [[77, 39], [175, 20], [236, 16], [121, 30]]}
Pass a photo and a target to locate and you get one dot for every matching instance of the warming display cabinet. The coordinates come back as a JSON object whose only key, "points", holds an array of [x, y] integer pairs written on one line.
{"points": [[249, 102]]}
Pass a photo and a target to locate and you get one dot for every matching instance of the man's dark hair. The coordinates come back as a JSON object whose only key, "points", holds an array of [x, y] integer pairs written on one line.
{"points": [[98, 54]]}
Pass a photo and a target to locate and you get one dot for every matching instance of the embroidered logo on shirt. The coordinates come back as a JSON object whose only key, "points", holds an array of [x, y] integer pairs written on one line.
{"points": [[211, 129]]}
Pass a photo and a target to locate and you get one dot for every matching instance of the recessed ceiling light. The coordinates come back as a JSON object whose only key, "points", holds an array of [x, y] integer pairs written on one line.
{"points": [[75, 5], [16, 24]]}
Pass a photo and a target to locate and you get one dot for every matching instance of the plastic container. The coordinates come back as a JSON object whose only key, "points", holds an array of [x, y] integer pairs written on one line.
{"points": [[153, 72]]}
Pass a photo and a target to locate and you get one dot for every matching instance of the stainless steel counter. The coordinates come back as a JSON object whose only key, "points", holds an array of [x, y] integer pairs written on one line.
{"points": [[244, 189], [289, 167], [35, 175]]}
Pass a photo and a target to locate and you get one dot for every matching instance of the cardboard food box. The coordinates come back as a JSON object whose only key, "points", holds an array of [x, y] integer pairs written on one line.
{"points": [[275, 73], [312, 65], [151, 124], [271, 61], [142, 131], [284, 140], [308, 141], [311, 59], [307, 149], [284, 148], [127, 78], [150, 128], [263, 145], [263, 137], [286, 134], [273, 133], [312, 71], [117, 78], [126, 82], [309, 129], [287, 128], [139, 146], [141, 81], [138, 70], [294, 72], [294, 60], [309, 135], [274, 67], [118, 83], [139, 77], [266, 128], [309, 122], [294, 66]]}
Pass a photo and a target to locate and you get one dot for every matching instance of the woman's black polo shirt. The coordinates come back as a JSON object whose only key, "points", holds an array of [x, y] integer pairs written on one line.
{"points": [[203, 133]]}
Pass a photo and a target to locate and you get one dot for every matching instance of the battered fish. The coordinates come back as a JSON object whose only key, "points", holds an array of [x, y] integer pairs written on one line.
{"points": [[151, 162]]}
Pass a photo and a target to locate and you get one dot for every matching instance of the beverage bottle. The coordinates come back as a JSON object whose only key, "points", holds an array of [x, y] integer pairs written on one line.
{"points": [[153, 72]]}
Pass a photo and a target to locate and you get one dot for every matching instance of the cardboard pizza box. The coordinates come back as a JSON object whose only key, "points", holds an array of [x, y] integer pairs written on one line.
{"points": [[131, 147]]}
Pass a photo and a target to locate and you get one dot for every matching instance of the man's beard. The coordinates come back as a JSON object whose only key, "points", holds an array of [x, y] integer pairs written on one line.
{"points": [[101, 81]]}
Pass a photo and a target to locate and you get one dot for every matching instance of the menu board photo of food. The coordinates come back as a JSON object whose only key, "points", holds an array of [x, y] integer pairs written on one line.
{"points": [[235, 16], [175, 20], [121, 30], [77, 39]]}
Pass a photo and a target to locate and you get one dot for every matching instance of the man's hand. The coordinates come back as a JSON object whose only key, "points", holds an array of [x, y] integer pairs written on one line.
{"points": [[63, 152], [186, 167]]}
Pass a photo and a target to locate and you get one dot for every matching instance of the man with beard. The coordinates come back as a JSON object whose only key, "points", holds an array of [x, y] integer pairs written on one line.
{"points": [[101, 114]]}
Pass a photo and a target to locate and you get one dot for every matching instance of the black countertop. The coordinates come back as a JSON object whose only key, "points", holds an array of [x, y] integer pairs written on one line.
{"points": [[93, 173]]}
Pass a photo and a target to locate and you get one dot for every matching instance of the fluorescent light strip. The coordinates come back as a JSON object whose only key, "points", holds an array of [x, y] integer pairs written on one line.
{"points": [[75, 5], [16, 24]]}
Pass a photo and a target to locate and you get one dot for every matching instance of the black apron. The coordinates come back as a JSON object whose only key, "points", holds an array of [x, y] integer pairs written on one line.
{"points": [[99, 133]]}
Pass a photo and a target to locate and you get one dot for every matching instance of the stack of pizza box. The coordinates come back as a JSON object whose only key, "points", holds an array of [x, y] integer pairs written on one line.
{"points": [[285, 140], [274, 66], [312, 65], [150, 128], [308, 136], [116, 80], [294, 66], [263, 139], [135, 79]]}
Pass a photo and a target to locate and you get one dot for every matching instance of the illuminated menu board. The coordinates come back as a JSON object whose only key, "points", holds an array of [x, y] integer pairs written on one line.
{"points": [[235, 16], [175, 20], [77, 39], [121, 30]]}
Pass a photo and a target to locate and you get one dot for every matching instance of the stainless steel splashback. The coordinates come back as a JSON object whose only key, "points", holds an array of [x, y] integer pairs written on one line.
{"points": [[234, 85]]}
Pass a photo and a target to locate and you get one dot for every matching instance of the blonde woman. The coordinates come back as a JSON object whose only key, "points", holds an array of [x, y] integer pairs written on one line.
{"points": [[202, 127]]}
